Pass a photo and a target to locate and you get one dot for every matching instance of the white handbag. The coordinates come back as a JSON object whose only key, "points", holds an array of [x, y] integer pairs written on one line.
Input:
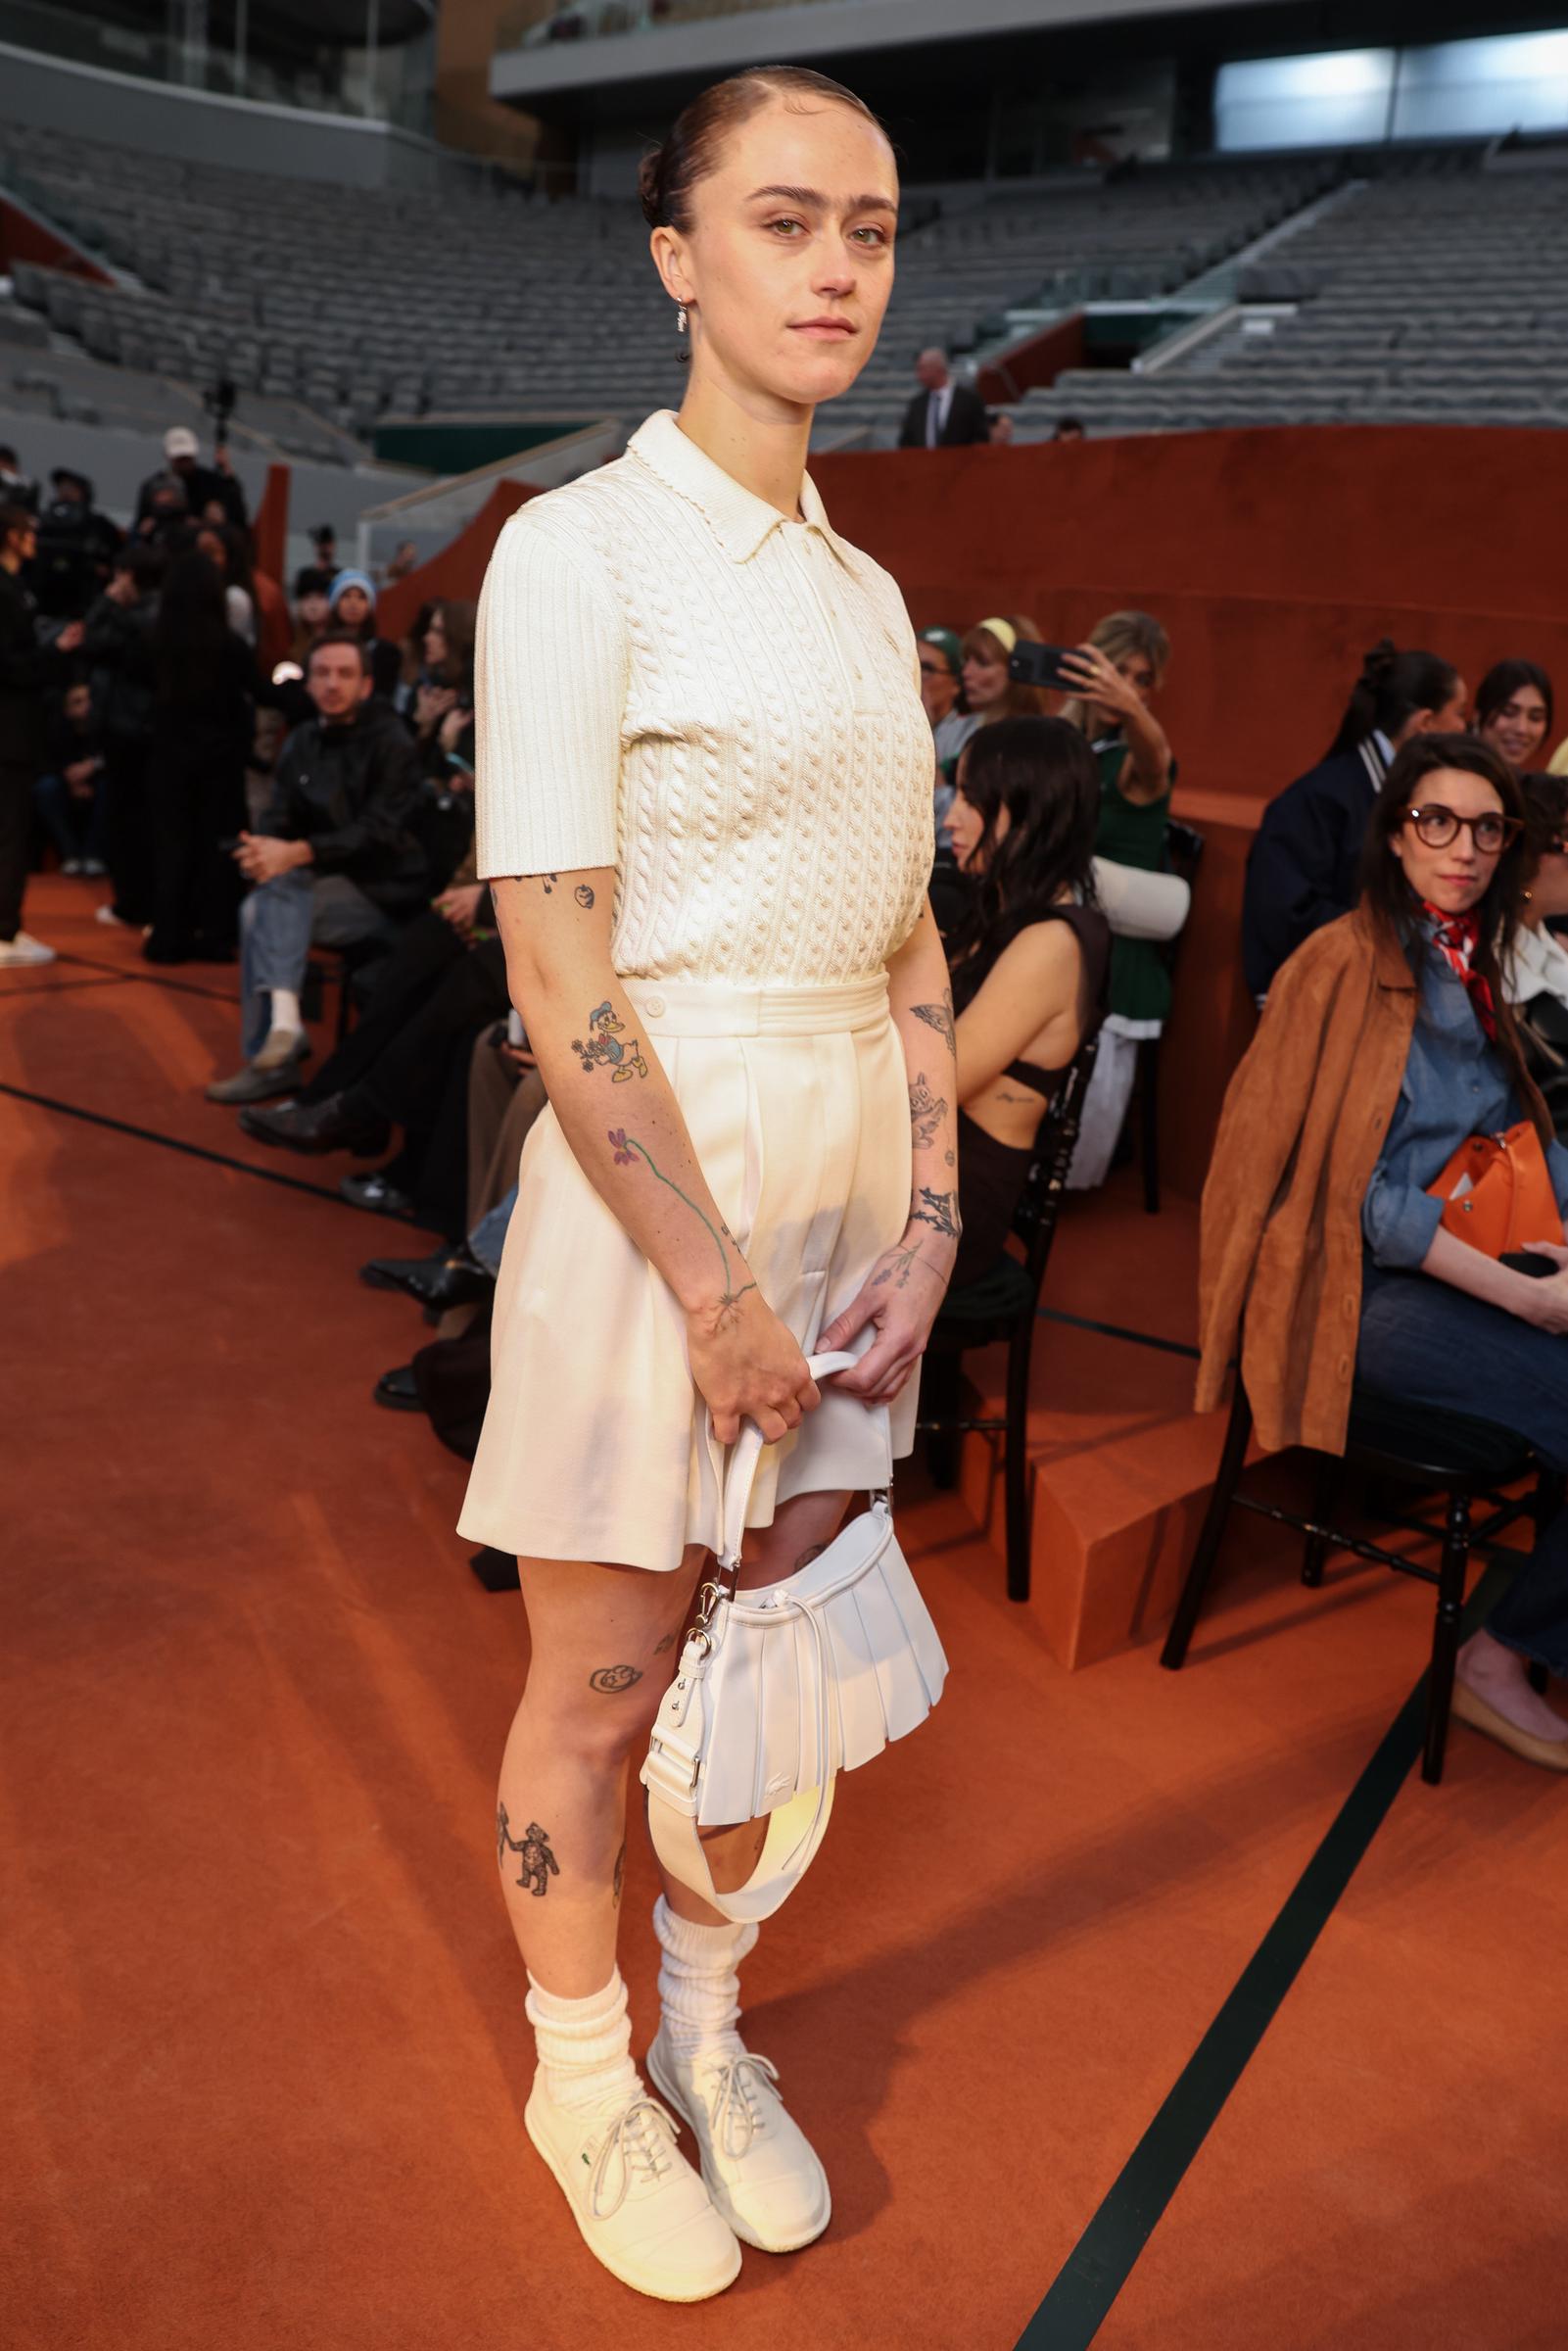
{"points": [[780, 1689]]}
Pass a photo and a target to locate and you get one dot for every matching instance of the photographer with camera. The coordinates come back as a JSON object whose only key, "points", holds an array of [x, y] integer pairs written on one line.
{"points": [[76, 547], [203, 485]]}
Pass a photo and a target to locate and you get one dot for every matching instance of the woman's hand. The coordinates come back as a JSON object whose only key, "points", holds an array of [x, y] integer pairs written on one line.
{"points": [[460, 906], [1546, 1303], [901, 1297], [747, 1365], [431, 704], [1098, 680]]}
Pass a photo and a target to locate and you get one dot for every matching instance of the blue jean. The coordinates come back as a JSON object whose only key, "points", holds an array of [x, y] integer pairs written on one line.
{"points": [[489, 1235], [279, 923], [77, 828], [1424, 1341]]}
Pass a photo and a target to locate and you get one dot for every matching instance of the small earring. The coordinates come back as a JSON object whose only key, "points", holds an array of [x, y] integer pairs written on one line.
{"points": [[679, 317]]}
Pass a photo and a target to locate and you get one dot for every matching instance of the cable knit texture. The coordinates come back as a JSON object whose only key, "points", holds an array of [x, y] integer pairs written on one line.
{"points": [[724, 706]]}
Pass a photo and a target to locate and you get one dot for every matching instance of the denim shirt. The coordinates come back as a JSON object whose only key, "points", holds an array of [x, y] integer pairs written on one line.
{"points": [[1456, 1084]]}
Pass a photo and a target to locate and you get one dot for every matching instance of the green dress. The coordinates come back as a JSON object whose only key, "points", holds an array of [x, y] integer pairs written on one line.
{"points": [[1133, 835]]}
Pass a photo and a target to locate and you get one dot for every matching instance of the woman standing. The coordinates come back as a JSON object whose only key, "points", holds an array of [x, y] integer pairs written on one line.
{"points": [[705, 809], [204, 678], [352, 606]]}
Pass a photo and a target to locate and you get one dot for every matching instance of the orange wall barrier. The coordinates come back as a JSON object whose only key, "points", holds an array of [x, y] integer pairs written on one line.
{"points": [[1041, 361], [1274, 557]]}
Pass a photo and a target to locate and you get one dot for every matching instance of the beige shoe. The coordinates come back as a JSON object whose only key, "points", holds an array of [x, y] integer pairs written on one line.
{"points": [[639, 2207], [761, 2171], [1550, 1753], [282, 1046]]}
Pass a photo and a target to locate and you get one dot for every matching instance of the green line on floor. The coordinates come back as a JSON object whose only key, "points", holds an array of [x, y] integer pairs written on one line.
{"points": [[1081, 2296]]}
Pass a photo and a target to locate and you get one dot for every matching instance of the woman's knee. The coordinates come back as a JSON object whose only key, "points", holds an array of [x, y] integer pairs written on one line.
{"points": [[601, 1725]]}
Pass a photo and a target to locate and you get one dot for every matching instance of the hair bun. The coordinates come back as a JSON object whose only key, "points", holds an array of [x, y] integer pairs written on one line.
{"points": [[1380, 660], [650, 193]]}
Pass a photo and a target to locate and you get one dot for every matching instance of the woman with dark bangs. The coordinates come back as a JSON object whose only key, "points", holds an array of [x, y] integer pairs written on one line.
{"points": [[1029, 959], [1513, 712]]}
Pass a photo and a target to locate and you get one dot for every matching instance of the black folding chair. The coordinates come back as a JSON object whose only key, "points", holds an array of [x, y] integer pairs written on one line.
{"points": [[1003, 1306], [1469, 1461]]}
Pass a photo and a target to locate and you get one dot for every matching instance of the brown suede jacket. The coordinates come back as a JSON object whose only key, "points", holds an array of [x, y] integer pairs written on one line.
{"points": [[1303, 1123]]}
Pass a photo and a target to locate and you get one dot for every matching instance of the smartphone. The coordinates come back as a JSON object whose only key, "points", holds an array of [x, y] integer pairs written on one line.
{"points": [[1528, 1261], [1041, 665], [516, 1033]]}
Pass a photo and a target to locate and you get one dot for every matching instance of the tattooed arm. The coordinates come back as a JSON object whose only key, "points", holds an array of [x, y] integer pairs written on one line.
{"points": [[620, 1115], [906, 1286]]}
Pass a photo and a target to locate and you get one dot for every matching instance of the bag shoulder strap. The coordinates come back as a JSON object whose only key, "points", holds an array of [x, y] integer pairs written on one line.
{"points": [[746, 1453]]}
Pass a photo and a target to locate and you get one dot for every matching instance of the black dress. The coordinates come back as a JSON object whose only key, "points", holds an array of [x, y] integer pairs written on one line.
{"points": [[991, 1175]]}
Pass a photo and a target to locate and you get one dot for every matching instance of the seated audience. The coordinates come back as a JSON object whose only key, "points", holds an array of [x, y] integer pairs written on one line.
{"points": [[1068, 428], [1000, 429], [417, 1082], [334, 862], [14, 488], [1114, 673], [1304, 862], [70, 795], [1535, 978], [988, 690], [943, 414], [1028, 959], [1385, 1046], [202, 715], [352, 606], [941, 690], [1513, 707]]}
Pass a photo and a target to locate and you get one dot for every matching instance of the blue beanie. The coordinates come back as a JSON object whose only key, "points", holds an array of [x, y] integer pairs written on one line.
{"points": [[352, 579]]}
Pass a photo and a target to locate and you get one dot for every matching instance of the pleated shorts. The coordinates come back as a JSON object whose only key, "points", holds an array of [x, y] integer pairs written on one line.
{"points": [[597, 1445]]}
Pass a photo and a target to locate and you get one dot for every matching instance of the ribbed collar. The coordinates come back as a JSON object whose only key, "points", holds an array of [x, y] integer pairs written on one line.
{"points": [[738, 519]]}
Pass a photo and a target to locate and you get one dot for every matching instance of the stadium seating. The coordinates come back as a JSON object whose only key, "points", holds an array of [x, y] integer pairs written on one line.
{"points": [[360, 305], [1431, 291], [1421, 299]]}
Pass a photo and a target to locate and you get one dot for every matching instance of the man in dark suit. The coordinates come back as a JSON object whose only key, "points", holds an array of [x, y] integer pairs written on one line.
{"points": [[943, 415]]}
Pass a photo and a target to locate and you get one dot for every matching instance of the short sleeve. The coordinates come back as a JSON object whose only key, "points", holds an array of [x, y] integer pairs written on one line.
{"points": [[550, 677]]}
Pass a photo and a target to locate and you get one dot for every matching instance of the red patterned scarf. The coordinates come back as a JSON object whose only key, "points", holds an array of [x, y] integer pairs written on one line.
{"points": [[1456, 938]]}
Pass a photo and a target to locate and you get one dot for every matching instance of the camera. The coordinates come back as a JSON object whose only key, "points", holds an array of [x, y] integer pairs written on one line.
{"points": [[218, 401]]}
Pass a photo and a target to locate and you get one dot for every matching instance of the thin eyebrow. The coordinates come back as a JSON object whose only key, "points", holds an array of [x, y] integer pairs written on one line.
{"points": [[813, 198]]}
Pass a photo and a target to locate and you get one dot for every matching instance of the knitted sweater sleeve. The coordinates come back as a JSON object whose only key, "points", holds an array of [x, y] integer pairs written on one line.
{"points": [[552, 673]]}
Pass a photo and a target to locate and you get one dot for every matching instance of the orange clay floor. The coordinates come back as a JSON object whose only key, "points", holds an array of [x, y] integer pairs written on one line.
{"points": [[266, 2051]]}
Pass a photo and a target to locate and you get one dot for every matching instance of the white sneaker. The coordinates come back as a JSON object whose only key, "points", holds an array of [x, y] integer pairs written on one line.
{"points": [[73, 865], [23, 948], [640, 2208], [110, 919], [761, 2171]]}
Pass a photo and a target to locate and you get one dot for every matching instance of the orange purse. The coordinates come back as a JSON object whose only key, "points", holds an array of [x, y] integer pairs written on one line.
{"points": [[1497, 1193]]}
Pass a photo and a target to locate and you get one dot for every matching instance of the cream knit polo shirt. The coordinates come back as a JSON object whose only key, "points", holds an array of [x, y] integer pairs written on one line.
{"points": [[724, 706]]}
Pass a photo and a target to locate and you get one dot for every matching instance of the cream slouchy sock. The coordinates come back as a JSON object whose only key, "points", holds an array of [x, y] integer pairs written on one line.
{"points": [[699, 1986], [585, 2046]]}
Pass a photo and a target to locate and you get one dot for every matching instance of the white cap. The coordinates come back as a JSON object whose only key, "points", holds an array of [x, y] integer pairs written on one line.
{"points": [[180, 442]]}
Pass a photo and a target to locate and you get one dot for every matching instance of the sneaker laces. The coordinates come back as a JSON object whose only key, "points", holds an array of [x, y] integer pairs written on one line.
{"points": [[643, 2150], [737, 2111]]}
